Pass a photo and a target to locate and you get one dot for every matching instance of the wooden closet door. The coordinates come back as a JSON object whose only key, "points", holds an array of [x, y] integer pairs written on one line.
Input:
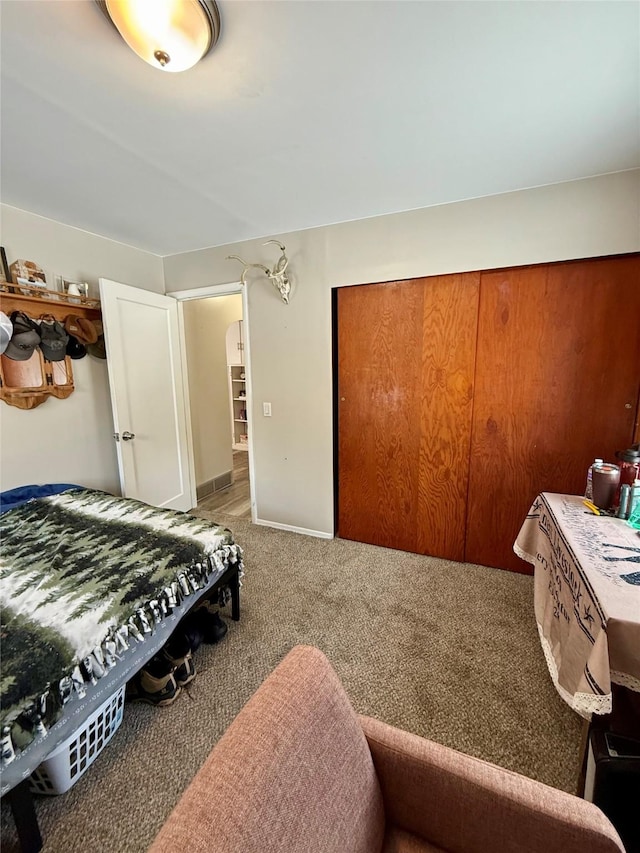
{"points": [[405, 378], [557, 385]]}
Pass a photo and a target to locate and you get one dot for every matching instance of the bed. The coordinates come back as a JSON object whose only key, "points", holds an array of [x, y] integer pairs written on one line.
{"points": [[92, 586]]}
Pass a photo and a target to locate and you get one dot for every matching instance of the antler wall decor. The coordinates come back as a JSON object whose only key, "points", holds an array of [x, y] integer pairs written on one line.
{"points": [[277, 275]]}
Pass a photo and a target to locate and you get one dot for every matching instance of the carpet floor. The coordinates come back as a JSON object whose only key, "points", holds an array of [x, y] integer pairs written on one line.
{"points": [[446, 650]]}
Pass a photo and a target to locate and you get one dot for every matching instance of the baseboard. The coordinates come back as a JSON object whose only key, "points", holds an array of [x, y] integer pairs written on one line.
{"points": [[204, 489], [222, 481], [320, 534]]}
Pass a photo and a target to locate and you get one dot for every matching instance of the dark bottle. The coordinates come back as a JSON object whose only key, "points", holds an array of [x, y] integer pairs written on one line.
{"points": [[629, 468]]}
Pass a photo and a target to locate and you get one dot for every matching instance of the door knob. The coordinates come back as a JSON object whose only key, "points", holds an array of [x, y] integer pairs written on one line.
{"points": [[127, 436]]}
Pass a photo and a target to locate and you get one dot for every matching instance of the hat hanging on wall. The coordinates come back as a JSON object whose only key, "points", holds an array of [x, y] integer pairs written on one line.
{"points": [[81, 328], [6, 330], [24, 339], [54, 339], [98, 349], [75, 349]]}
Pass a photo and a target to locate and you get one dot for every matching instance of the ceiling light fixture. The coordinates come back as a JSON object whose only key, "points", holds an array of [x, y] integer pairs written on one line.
{"points": [[171, 35]]}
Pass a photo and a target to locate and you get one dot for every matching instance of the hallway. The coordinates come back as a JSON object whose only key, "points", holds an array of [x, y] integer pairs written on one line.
{"points": [[235, 499]]}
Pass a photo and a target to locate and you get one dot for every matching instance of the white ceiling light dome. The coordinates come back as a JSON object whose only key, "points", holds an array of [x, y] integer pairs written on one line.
{"points": [[171, 35]]}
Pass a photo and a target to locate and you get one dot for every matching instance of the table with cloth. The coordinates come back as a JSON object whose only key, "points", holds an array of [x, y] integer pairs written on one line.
{"points": [[586, 599]]}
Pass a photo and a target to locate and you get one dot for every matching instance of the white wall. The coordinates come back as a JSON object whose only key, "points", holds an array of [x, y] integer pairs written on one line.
{"points": [[68, 440], [291, 345], [206, 322]]}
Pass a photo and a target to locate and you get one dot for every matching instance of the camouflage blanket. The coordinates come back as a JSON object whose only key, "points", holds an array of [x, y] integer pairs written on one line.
{"points": [[85, 575]]}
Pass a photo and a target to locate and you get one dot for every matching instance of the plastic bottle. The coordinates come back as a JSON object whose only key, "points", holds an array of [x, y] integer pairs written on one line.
{"points": [[588, 492], [625, 501], [634, 497], [634, 505]]}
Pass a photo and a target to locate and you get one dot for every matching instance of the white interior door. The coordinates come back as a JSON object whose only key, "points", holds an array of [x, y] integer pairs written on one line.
{"points": [[150, 409]]}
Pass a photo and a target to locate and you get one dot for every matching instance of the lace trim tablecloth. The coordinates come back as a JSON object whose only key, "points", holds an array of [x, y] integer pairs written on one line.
{"points": [[586, 599]]}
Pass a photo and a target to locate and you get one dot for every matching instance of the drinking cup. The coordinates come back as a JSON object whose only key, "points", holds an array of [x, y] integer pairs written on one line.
{"points": [[605, 482]]}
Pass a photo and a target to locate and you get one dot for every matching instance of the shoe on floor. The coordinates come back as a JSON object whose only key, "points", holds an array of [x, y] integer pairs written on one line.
{"points": [[189, 632], [145, 687], [158, 666], [210, 622], [184, 667]]}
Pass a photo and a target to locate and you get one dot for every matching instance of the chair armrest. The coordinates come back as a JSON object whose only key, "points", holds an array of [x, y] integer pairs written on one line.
{"points": [[466, 805]]}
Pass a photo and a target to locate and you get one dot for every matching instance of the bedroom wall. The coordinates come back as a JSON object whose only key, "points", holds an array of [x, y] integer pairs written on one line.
{"points": [[205, 323], [68, 440], [291, 345]]}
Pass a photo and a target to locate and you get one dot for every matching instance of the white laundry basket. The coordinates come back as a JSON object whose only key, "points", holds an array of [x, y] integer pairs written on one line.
{"points": [[66, 764]]}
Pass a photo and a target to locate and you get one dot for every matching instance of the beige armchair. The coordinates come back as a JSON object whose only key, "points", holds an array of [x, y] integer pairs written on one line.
{"points": [[299, 770]]}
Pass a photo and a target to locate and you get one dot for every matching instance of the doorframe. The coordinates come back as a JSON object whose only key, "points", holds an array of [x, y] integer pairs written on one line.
{"points": [[206, 292]]}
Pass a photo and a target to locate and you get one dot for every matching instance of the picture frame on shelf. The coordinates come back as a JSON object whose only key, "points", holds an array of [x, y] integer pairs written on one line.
{"points": [[5, 272], [74, 288]]}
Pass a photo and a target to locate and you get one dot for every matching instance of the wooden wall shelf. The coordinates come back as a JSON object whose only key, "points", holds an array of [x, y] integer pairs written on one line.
{"points": [[27, 384], [37, 302]]}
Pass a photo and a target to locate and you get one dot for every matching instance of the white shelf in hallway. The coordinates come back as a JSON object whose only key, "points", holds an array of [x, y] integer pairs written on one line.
{"points": [[239, 407]]}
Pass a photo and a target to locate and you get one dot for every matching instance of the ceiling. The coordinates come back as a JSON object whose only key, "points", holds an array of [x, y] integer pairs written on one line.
{"points": [[309, 113]]}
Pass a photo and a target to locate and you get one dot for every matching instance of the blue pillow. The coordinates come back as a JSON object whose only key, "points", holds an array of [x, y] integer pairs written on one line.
{"points": [[16, 497]]}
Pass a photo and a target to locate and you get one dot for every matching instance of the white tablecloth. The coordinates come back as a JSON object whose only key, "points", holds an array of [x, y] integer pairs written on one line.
{"points": [[586, 598]]}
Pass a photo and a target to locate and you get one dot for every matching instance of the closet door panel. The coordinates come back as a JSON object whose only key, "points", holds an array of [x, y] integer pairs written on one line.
{"points": [[405, 383], [557, 384], [448, 357], [379, 343]]}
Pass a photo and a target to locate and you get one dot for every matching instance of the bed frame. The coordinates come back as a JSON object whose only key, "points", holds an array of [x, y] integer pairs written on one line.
{"points": [[221, 575]]}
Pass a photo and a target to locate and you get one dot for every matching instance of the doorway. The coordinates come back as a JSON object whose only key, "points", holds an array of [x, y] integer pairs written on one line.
{"points": [[217, 399], [234, 499]]}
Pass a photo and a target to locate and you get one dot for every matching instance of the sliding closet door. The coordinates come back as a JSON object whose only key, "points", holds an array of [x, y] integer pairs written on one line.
{"points": [[557, 384], [405, 384]]}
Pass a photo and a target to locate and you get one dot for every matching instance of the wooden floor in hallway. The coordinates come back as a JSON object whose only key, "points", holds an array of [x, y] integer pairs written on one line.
{"points": [[235, 499]]}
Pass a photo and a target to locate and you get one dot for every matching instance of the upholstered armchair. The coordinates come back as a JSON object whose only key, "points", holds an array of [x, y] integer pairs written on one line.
{"points": [[299, 770]]}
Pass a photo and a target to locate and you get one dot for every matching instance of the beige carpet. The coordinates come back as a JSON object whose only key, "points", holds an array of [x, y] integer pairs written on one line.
{"points": [[446, 650]]}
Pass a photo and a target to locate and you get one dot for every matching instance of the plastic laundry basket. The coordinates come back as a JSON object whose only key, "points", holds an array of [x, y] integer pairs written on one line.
{"points": [[66, 764]]}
